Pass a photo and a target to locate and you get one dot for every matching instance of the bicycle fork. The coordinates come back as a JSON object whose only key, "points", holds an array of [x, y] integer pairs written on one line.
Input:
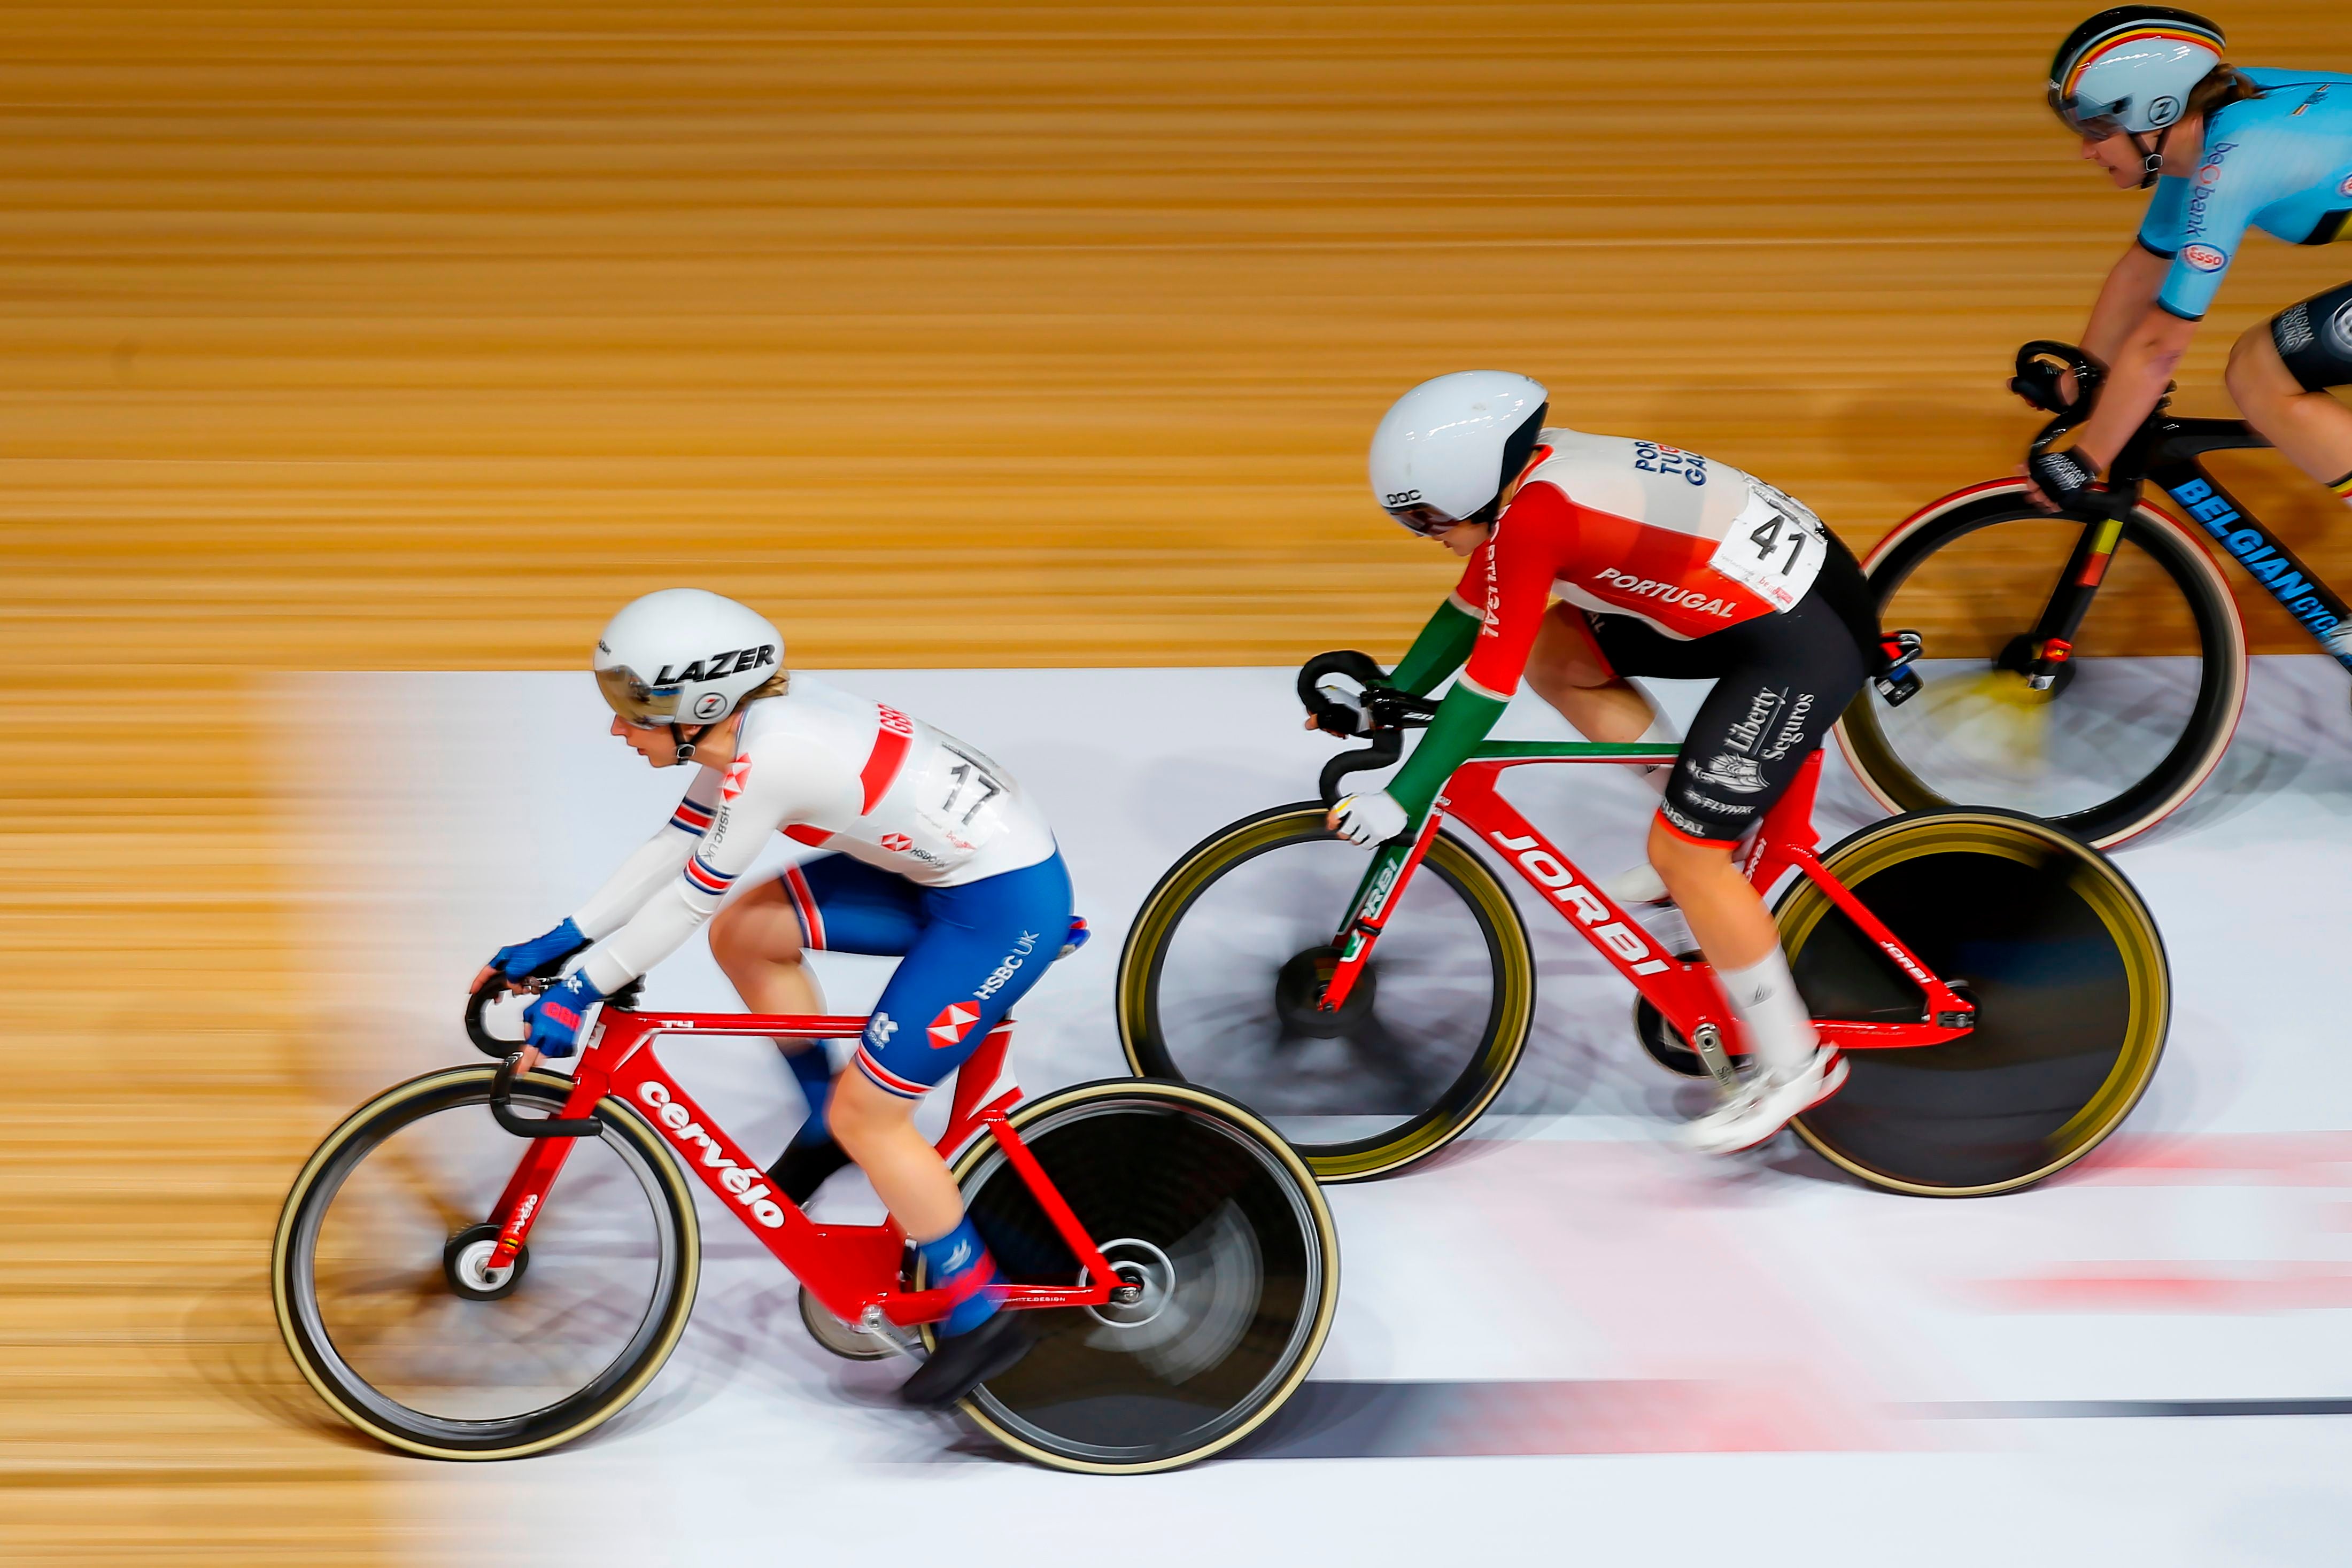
{"points": [[1392, 866]]}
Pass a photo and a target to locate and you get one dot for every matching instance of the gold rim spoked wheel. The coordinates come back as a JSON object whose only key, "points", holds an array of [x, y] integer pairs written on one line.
{"points": [[1217, 1223], [1218, 983], [378, 1278], [2063, 964]]}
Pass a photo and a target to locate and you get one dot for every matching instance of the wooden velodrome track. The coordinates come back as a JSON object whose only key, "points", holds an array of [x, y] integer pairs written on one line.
{"points": [[422, 336]]}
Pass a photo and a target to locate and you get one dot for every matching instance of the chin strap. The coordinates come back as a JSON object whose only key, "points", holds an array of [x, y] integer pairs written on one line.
{"points": [[685, 746], [2152, 156]]}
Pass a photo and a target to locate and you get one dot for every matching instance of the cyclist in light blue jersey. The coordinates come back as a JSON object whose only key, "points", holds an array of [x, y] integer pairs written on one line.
{"points": [[2227, 150]]}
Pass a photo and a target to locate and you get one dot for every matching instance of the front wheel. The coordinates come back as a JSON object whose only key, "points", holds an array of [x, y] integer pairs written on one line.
{"points": [[386, 1299], [1226, 961], [1204, 1206], [2140, 714], [2062, 960]]}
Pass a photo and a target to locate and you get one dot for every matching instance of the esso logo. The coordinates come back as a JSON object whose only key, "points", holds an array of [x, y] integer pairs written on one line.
{"points": [[2205, 258], [1401, 498], [2346, 188]]}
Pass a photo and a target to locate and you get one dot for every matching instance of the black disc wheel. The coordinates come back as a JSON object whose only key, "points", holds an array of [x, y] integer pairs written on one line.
{"points": [[1223, 969], [2139, 714], [2062, 961], [1221, 1229], [391, 1298]]}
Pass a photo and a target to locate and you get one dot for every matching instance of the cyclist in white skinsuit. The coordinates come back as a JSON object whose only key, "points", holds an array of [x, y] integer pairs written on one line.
{"points": [[2227, 150], [935, 854]]}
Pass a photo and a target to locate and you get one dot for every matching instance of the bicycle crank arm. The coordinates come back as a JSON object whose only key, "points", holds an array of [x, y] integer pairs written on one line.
{"points": [[1708, 1040]]}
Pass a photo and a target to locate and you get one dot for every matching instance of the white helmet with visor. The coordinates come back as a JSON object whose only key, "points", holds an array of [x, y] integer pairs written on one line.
{"points": [[1445, 449], [2130, 69], [685, 656]]}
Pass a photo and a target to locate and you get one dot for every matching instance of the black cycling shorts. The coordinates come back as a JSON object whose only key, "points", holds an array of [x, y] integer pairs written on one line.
{"points": [[1781, 681], [2314, 339]]}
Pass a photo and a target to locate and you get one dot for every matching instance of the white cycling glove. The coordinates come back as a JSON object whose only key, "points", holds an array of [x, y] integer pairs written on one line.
{"points": [[1368, 818]]}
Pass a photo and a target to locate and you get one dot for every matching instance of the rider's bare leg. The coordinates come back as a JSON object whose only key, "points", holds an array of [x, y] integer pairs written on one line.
{"points": [[1736, 933], [2312, 429], [878, 1130], [757, 941], [1726, 913], [1566, 669]]}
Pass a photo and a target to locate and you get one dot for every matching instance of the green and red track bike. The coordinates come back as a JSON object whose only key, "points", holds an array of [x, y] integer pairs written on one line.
{"points": [[2001, 989]]}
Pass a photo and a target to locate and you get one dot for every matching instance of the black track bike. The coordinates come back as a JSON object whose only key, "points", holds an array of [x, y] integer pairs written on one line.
{"points": [[2088, 667]]}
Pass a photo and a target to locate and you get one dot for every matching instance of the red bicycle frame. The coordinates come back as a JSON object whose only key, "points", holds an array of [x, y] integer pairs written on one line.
{"points": [[1685, 992], [849, 1269]]}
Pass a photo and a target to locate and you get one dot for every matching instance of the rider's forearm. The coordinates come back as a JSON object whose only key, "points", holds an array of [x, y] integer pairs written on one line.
{"points": [[1440, 649], [655, 861], [1463, 721], [655, 932], [2137, 376], [2124, 302]]}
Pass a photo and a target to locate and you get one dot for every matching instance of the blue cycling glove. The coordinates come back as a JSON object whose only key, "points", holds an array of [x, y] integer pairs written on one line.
{"points": [[523, 958], [556, 1017]]}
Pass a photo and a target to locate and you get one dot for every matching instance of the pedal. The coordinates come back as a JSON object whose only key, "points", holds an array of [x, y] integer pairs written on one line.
{"points": [[1899, 682]]}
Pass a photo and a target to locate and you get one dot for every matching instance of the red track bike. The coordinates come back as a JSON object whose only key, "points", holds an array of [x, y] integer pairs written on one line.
{"points": [[2000, 989], [463, 1280]]}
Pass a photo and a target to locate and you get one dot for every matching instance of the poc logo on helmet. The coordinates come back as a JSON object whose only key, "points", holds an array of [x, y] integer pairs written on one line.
{"points": [[1401, 498]]}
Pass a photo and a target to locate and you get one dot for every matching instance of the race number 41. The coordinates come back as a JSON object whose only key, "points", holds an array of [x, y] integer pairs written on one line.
{"points": [[1774, 548]]}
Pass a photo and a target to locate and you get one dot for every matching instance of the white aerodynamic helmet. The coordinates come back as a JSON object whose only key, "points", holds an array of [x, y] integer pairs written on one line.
{"points": [[685, 656], [2131, 69], [1445, 449]]}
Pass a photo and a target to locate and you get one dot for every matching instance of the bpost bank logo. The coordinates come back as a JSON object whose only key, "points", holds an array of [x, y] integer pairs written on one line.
{"points": [[2205, 257]]}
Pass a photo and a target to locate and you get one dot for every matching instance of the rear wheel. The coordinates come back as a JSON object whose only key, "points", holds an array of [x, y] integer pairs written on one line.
{"points": [[2062, 960], [1228, 956], [1221, 1227], [388, 1297], [2140, 714]]}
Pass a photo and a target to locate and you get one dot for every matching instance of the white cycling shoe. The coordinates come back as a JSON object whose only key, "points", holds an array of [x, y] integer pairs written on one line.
{"points": [[1765, 1104]]}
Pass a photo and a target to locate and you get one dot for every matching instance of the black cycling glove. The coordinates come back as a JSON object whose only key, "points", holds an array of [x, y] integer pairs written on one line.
{"points": [[2066, 478]]}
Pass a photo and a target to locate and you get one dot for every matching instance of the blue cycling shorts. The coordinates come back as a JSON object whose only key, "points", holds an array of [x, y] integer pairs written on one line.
{"points": [[966, 954]]}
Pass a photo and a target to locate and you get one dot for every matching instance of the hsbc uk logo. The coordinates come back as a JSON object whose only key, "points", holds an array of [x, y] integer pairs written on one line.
{"points": [[879, 1028], [954, 1022], [1005, 972]]}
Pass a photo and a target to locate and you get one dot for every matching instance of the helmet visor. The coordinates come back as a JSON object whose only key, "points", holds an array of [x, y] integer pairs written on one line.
{"points": [[1423, 519], [637, 703], [2091, 121]]}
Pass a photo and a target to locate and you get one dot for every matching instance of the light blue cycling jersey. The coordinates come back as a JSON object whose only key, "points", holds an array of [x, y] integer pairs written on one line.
{"points": [[2280, 164]]}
